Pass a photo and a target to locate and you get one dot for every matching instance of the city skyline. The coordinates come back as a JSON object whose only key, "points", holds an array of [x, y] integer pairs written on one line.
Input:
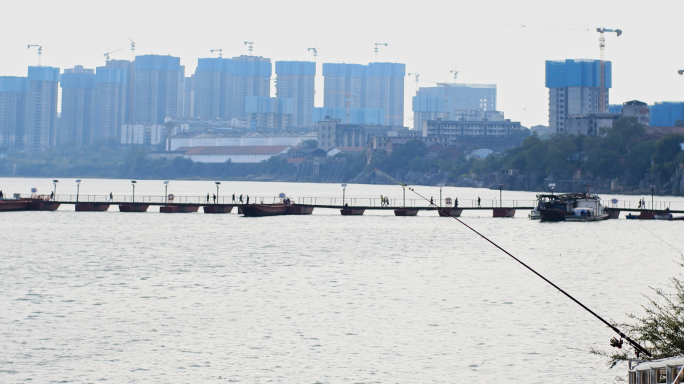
{"points": [[480, 46]]}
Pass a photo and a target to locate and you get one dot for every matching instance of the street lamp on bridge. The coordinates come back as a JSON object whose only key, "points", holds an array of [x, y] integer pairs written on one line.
{"points": [[166, 192], [78, 188], [133, 184], [217, 190], [344, 189], [54, 193]]}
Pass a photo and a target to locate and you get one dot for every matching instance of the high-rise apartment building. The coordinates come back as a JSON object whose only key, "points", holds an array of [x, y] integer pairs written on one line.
{"points": [[221, 85], [250, 76], [574, 90], [127, 66], [210, 85], [111, 95], [344, 85], [158, 82], [13, 95], [40, 130], [77, 119], [296, 80], [385, 90], [374, 86], [430, 103]]}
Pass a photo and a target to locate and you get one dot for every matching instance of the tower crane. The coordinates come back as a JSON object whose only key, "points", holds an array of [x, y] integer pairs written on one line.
{"points": [[315, 52], [455, 73], [220, 51], [251, 46], [416, 76], [377, 45], [40, 51], [132, 49], [602, 47], [106, 55]]}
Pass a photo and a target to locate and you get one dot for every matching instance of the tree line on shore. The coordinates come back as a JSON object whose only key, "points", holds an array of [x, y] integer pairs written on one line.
{"points": [[621, 152]]}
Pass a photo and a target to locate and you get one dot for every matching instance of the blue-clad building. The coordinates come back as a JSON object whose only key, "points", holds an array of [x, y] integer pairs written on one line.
{"points": [[360, 116], [666, 113], [222, 85], [40, 129], [158, 88], [13, 95], [77, 121], [374, 86], [269, 112], [575, 90], [111, 88], [296, 80]]}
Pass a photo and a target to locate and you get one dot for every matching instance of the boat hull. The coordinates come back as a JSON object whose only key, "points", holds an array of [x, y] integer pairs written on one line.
{"points": [[405, 212], [450, 212], [352, 211], [299, 210], [552, 215], [133, 207], [179, 208], [218, 208], [260, 210]]}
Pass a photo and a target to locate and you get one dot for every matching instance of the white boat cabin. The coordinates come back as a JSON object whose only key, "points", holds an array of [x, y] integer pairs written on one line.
{"points": [[656, 371]]}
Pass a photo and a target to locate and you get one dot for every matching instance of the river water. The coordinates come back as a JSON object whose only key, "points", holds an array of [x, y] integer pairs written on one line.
{"points": [[187, 298]]}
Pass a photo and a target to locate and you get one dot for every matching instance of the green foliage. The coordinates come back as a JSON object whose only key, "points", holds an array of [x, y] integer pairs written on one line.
{"points": [[668, 154], [400, 160], [679, 123], [660, 328]]}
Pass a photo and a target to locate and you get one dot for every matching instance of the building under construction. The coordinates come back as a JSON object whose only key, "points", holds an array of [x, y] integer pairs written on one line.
{"points": [[443, 101], [575, 90]]}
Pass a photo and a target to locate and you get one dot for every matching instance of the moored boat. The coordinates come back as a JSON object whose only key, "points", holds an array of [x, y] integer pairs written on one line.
{"points": [[258, 210], [570, 207]]}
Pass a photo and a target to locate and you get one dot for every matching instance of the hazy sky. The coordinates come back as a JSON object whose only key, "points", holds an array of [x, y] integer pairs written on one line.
{"points": [[430, 37]]}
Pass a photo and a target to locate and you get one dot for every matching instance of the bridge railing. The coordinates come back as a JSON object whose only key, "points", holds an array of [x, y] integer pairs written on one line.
{"points": [[337, 201]]}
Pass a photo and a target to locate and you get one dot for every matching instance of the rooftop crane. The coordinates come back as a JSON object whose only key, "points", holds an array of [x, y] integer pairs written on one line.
{"points": [[377, 45], [40, 51], [417, 77], [455, 73], [220, 51], [315, 51], [602, 47], [106, 55], [132, 49], [251, 46]]}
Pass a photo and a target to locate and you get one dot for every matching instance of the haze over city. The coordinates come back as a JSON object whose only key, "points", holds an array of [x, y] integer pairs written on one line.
{"points": [[483, 41]]}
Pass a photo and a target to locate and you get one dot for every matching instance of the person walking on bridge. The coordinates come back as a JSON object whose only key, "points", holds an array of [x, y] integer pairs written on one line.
{"points": [[478, 202], [214, 196], [207, 198], [240, 199], [247, 199], [233, 197], [382, 201], [456, 202], [111, 197]]}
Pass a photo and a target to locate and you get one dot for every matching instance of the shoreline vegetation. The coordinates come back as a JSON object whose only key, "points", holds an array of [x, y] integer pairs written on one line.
{"points": [[621, 160]]}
